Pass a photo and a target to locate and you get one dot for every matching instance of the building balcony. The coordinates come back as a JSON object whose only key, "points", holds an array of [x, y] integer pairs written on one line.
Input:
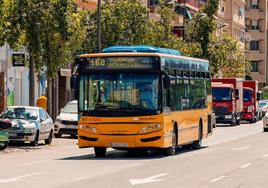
{"points": [[254, 14]]}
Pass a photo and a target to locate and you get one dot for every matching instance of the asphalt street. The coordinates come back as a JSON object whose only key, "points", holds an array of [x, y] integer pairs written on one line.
{"points": [[231, 157]]}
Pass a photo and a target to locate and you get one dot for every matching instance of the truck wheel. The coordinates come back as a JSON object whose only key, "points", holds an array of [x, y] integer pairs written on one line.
{"points": [[100, 151]]}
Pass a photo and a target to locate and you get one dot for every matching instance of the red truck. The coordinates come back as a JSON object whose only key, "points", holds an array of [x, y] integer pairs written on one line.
{"points": [[251, 96], [227, 94]]}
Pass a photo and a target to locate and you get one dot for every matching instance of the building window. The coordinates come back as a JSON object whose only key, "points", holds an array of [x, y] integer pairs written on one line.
{"points": [[254, 66], [254, 45], [154, 2], [254, 4], [254, 25]]}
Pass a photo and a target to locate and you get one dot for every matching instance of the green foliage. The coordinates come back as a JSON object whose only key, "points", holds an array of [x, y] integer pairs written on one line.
{"points": [[51, 30]]}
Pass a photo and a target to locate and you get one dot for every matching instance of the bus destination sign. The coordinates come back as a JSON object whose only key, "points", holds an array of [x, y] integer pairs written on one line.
{"points": [[121, 62]]}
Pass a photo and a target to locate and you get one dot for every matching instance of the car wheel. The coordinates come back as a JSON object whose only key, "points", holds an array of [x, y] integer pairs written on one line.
{"points": [[36, 139], [3, 146], [100, 152], [57, 135], [49, 139]]}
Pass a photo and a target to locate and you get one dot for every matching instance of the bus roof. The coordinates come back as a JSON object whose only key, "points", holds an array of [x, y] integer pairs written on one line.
{"points": [[141, 48], [116, 54]]}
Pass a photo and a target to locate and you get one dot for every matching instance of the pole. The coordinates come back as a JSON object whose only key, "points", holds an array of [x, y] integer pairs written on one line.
{"points": [[99, 26], [184, 12]]}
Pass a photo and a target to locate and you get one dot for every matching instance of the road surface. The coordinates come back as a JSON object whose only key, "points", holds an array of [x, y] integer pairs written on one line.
{"points": [[231, 157]]}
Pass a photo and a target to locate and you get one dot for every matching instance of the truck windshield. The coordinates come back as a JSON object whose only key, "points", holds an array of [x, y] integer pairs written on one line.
{"points": [[221, 94], [115, 94], [247, 95]]}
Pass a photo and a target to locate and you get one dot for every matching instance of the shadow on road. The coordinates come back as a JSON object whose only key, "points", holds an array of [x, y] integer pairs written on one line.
{"points": [[23, 146], [129, 155]]}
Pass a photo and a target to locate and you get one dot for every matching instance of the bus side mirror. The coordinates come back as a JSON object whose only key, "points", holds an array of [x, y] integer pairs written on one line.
{"points": [[258, 96], [236, 94], [166, 82]]}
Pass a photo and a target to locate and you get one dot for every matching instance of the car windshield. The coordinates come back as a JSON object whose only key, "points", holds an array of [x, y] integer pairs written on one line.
{"points": [[221, 94], [263, 104], [70, 108], [119, 91], [20, 113], [247, 95]]}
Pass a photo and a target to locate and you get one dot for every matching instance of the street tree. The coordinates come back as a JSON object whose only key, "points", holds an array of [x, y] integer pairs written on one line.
{"points": [[52, 31]]}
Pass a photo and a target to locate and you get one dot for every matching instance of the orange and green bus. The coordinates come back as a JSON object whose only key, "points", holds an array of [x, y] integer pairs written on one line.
{"points": [[142, 97]]}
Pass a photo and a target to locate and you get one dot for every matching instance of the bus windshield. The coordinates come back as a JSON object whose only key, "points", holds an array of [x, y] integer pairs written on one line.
{"points": [[247, 95], [221, 94], [119, 93]]}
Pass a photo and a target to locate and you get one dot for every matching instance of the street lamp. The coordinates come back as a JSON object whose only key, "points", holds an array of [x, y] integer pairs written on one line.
{"points": [[99, 26]]}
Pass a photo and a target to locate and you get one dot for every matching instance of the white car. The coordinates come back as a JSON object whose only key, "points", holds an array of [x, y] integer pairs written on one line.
{"points": [[67, 121], [265, 122], [28, 124]]}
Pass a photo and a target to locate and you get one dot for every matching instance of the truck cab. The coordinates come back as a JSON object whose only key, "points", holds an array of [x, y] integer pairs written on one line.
{"points": [[227, 100], [251, 97]]}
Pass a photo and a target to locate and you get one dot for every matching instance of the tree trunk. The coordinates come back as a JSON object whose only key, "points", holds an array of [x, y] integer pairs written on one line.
{"points": [[49, 96], [31, 81]]}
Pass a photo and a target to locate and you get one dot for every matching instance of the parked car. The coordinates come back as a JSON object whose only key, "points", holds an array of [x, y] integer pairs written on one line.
{"points": [[67, 121], [28, 124], [263, 106], [265, 122], [4, 134]]}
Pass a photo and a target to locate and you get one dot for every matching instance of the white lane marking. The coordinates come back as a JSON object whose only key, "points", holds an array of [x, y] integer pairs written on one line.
{"points": [[80, 178], [18, 178], [241, 148], [265, 155], [148, 179], [245, 165], [134, 165], [32, 163], [217, 179]]}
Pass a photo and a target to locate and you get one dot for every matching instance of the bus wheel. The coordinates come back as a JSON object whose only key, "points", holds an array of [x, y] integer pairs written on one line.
{"points": [[100, 152], [197, 144], [172, 150]]}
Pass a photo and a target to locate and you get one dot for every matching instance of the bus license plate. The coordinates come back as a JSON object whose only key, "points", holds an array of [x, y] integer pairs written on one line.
{"points": [[119, 144]]}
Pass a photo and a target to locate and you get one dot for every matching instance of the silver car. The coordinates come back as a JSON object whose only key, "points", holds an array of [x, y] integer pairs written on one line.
{"points": [[265, 122], [67, 121], [29, 124]]}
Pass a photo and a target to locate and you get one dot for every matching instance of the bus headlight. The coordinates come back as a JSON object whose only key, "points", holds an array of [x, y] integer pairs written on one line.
{"points": [[88, 128], [150, 128]]}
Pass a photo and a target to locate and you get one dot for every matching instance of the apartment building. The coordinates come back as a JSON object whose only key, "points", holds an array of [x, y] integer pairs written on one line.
{"points": [[256, 28]]}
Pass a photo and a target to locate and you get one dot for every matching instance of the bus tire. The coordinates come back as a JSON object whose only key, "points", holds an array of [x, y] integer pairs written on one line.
{"points": [[172, 149], [198, 143], [100, 151]]}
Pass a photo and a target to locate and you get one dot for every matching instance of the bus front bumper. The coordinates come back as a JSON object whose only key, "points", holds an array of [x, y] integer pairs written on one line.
{"points": [[150, 140]]}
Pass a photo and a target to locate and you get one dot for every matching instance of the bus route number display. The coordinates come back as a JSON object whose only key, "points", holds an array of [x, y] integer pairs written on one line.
{"points": [[122, 62]]}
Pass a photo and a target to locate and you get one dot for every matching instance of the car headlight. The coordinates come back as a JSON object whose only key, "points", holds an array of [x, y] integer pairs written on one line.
{"points": [[88, 128], [150, 128], [228, 116], [58, 120]]}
